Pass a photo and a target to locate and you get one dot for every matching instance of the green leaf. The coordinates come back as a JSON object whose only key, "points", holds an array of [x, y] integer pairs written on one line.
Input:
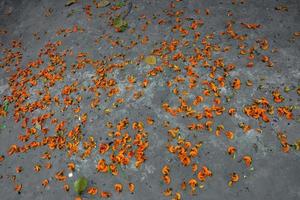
{"points": [[73, 12], [38, 126], [120, 4], [287, 89], [80, 185], [120, 24], [60, 133], [5, 105], [44, 80]]}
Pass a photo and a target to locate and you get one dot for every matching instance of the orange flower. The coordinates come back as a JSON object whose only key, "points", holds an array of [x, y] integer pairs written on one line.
{"points": [[236, 84], [2, 158], [60, 176], [177, 196], [105, 194], [193, 183], [45, 182], [203, 173], [206, 171], [201, 176], [231, 150], [18, 188], [71, 166], [173, 132], [131, 187], [198, 100], [48, 165], [247, 160], [265, 58], [246, 128], [285, 147], [19, 169], [194, 152], [37, 168], [165, 170], [285, 111], [114, 170], [118, 187], [251, 26], [277, 96], [150, 121], [103, 148], [102, 166], [229, 135], [194, 167], [231, 111], [264, 44], [166, 179], [92, 191], [185, 160], [183, 185], [13, 149], [168, 192], [234, 179]]}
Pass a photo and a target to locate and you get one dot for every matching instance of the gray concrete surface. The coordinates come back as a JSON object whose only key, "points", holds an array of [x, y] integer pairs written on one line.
{"points": [[274, 175]]}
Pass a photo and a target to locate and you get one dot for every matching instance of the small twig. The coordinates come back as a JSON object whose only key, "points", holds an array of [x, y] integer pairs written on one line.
{"points": [[129, 7]]}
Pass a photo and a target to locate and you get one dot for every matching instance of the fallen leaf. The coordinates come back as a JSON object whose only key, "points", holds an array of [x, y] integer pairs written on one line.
{"points": [[297, 34], [282, 8], [8, 11], [70, 2], [150, 60], [102, 4], [48, 12], [297, 145]]}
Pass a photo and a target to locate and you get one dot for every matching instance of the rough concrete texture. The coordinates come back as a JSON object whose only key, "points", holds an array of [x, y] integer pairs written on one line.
{"points": [[114, 68]]}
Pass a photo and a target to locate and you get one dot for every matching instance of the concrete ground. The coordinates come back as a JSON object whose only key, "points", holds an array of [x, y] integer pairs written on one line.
{"points": [[115, 68]]}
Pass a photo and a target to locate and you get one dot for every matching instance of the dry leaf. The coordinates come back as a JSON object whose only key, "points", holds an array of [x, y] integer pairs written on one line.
{"points": [[150, 60], [102, 4], [70, 2]]}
